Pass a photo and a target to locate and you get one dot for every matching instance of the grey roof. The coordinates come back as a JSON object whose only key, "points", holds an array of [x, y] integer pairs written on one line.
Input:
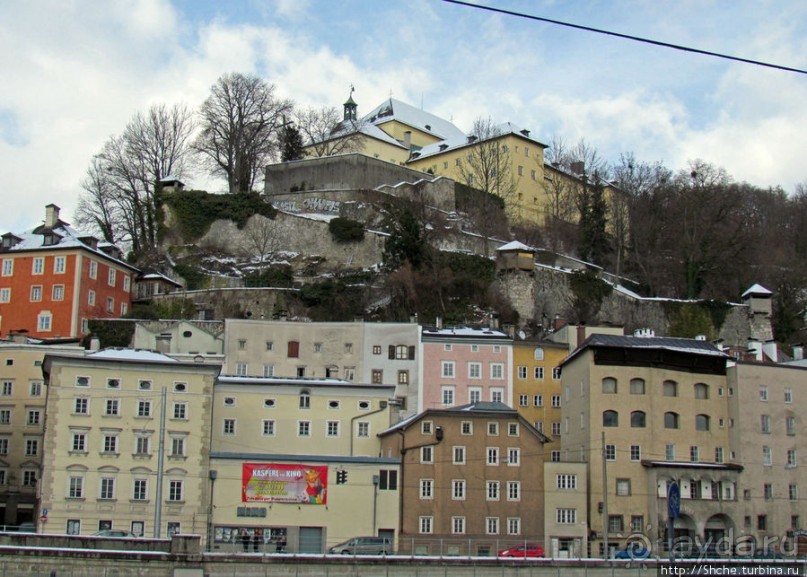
{"points": [[757, 290], [392, 109], [484, 406], [692, 346]]}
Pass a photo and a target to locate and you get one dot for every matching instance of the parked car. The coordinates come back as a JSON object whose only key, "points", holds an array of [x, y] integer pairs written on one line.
{"points": [[632, 551], [363, 546], [523, 550], [26, 527], [114, 533]]}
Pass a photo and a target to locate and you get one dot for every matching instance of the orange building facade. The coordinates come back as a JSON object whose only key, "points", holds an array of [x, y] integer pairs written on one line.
{"points": [[54, 280]]}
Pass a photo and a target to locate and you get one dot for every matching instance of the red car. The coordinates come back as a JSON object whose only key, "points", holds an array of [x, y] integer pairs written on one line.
{"points": [[528, 550]]}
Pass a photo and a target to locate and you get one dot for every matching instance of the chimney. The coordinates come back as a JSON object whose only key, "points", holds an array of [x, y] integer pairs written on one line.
{"points": [[438, 322], [408, 139], [771, 350], [95, 344], [798, 352], [581, 334], [755, 349], [51, 215], [558, 323]]}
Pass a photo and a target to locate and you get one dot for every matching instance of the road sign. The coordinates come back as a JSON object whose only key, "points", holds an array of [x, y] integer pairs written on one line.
{"points": [[673, 500]]}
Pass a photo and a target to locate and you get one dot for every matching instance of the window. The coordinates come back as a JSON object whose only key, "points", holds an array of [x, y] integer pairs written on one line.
{"points": [[788, 395], [493, 455], [610, 419], [3, 446], [474, 370], [448, 369], [513, 490], [496, 371], [694, 454], [426, 428], [305, 400], [144, 385], [791, 457], [36, 293], [5, 416], [268, 427], [496, 395], [767, 456], [426, 454], [670, 389], [638, 419], [5, 295], [637, 523], [458, 489], [523, 400], [111, 277], [556, 373], [635, 452], [93, 269], [701, 422], [317, 347], [793, 492], [623, 487], [388, 480], [174, 490], [180, 411], [177, 447], [765, 424], [78, 442], [44, 321], [763, 393], [363, 429], [403, 377], [566, 481], [565, 516], [229, 426], [8, 267], [143, 408], [474, 394], [458, 455], [448, 395], [110, 444], [141, 445], [107, 488], [303, 428], [493, 429], [762, 522], [110, 305], [610, 452], [522, 373], [426, 488], [670, 420], [637, 386], [33, 417], [127, 283], [615, 524], [57, 293], [332, 429], [348, 348], [701, 391], [75, 488], [38, 266], [377, 376], [556, 428], [91, 298], [790, 425], [767, 491], [538, 373], [609, 386], [719, 455], [458, 525], [554, 456], [492, 525], [426, 522], [293, 349], [538, 400], [241, 369], [492, 491], [81, 406], [513, 457], [140, 490], [31, 447], [556, 401]]}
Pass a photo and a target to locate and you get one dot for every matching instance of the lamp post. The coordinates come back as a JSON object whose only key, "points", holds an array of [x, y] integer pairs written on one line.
{"points": [[213, 474]]}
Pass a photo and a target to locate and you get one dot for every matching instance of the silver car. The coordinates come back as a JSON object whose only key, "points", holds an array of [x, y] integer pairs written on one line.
{"points": [[363, 546]]}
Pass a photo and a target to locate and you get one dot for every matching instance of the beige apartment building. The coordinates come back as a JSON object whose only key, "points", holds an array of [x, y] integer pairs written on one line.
{"points": [[127, 443], [299, 462], [767, 437], [472, 480], [643, 412], [22, 424], [565, 509]]}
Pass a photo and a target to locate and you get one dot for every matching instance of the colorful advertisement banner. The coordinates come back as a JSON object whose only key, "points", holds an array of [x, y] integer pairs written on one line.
{"points": [[284, 483]]}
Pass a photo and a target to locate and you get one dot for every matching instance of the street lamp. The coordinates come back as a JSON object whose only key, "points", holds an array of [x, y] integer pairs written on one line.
{"points": [[213, 474]]}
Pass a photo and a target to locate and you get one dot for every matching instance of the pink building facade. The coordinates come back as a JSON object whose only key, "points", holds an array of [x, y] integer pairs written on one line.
{"points": [[465, 365]]}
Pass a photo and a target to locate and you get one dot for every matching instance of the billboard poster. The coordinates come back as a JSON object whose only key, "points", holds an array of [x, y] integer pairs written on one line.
{"points": [[284, 483]]}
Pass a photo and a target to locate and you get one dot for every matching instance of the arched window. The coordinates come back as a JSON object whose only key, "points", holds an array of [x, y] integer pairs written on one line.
{"points": [[702, 422], [670, 389], [670, 420], [638, 419], [637, 386], [610, 419], [305, 399], [701, 391], [609, 386], [539, 354]]}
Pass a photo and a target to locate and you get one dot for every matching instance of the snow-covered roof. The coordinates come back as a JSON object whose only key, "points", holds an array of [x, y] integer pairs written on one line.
{"points": [[515, 245], [459, 141], [68, 237], [677, 344], [297, 382], [757, 290], [141, 355], [366, 128], [486, 333], [404, 113], [156, 276]]}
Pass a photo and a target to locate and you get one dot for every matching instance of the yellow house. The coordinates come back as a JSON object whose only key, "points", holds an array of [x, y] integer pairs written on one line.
{"points": [[536, 388], [127, 443], [298, 462]]}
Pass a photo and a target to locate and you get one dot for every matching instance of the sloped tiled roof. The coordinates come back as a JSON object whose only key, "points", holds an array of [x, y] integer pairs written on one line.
{"points": [[407, 114], [693, 346]]}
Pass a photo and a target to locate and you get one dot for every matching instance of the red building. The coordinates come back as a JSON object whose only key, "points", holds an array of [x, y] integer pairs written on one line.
{"points": [[54, 279]]}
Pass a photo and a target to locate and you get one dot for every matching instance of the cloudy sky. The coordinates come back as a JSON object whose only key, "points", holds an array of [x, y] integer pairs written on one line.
{"points": [[72, 73]]}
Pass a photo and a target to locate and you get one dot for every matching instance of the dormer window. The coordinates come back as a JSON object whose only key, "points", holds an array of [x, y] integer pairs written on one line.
{"points": [[51, 238], [9, 240]]}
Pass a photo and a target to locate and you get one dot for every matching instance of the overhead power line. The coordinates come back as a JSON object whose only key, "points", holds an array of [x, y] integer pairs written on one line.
{"points": [[626, 36]]}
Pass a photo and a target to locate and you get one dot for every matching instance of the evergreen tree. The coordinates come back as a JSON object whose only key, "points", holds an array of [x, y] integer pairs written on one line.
{"points": [[594, 246], [291, 144]]}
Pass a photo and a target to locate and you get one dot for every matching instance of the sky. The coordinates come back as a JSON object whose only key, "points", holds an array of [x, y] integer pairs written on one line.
{"points": [[73, 73]]}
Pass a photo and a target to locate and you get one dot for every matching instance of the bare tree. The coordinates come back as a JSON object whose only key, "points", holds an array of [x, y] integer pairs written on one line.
{"points": [[487, 166], [240, 121], [262, 237], [121, 191], [326, 133]]}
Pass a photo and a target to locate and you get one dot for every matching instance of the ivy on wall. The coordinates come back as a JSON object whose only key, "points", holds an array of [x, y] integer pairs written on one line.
{"points": [[195, 210]]}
